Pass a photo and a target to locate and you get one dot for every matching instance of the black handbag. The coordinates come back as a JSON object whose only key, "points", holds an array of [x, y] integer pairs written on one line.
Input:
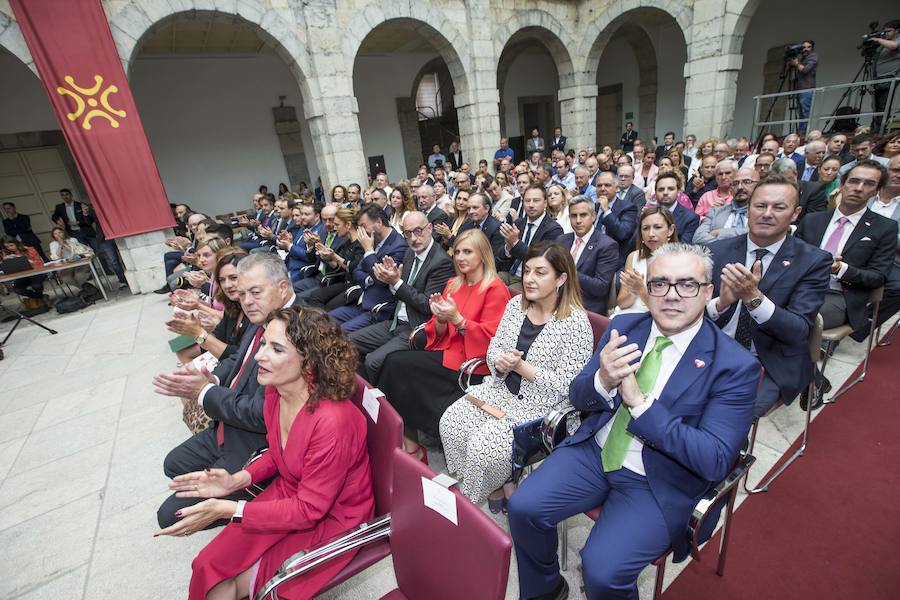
{"points": [[528, 447]]}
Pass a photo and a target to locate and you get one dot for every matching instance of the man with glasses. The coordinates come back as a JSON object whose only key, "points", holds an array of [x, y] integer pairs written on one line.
{"points": [[669, 401], [730, 220], [769, 287], [863, 245], [426, 200], [425, 270], [627, 191], [618, 218]]}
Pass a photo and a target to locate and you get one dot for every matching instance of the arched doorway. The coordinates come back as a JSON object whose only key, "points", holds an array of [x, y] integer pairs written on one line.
{"points": [[405, 79], [638, 61], [222, 110]]}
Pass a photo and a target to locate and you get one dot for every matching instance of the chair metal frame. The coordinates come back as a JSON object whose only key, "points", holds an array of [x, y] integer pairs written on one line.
{"points": [[836, 334], [726, 490], [888, 338], [815, 348]]}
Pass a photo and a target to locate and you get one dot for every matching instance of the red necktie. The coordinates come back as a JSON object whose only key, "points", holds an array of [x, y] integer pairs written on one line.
{"points": [[220, 428]]}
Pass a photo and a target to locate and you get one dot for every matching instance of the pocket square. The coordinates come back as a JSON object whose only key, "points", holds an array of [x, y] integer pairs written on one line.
{"points": [[699, 363], [786, 263], [866, 239]]}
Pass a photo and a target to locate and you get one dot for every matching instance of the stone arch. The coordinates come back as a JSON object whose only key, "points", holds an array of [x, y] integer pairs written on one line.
{"points": [[645, 52], [601, 30], [429, 22], [543, 27], [737, 19], [134, 21], [12, 40]]}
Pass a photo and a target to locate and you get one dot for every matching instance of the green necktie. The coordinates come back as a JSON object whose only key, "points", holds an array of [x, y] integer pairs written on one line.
{"points": [[329, 239], [616, 446], [412, 280]]}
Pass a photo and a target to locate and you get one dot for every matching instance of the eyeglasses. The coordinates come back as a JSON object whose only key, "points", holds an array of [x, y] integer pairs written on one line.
{"points": [[747, 182], [417, 232], [865, 182], [685, 288]]}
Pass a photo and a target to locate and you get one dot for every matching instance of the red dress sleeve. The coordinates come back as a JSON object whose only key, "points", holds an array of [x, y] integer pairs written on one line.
{"points": [[326, 462], [263, 468], [481, 327]]}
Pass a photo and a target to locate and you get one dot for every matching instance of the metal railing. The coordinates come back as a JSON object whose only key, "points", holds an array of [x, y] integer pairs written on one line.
{"points": [[818, 119]]}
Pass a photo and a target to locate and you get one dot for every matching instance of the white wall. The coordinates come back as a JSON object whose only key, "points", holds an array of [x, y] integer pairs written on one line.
{"points": [[210, 125], [377, 83], [531, 73], [23, 103], [671, 54], [834, 25], [619, 65]]}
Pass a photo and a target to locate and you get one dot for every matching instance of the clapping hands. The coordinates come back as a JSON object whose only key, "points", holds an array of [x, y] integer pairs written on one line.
{"points": [[444, 308]]}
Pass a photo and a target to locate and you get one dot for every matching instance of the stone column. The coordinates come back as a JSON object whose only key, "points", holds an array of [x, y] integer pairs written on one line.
{"points": [[578, 115], [288, 129], [334, 126], [709, 95], [479, 125], [647, 104], [142, 257], [408, 118]]}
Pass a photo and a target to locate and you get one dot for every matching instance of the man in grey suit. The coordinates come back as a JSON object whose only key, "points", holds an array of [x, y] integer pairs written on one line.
{"points": [[723, 222], [425, 270], [535, 143], [627, 191], [426, 199], [230, 394]]}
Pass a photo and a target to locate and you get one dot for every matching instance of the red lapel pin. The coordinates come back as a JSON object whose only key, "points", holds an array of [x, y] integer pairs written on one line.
{"points": [[699, 363]]}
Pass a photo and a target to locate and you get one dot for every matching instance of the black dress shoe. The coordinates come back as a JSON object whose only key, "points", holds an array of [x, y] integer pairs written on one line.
{"points": [[821, 390], [560, 593], [163, 290]]}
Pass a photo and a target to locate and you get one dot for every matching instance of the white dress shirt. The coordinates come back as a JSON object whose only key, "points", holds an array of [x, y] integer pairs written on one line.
{"points": [[848, 229], [73, 220], [885, 209], [584, 242], [761, 313], [206, 387], [401, 312], [671, 356]]}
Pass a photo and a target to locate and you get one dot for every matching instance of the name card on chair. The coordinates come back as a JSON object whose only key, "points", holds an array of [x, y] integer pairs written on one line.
{"points": [[439, 499], [370, 402]]}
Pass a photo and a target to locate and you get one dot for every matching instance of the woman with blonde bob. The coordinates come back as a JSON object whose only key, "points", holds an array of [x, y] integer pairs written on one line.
{"points": [[543, 341], [466, 316]]}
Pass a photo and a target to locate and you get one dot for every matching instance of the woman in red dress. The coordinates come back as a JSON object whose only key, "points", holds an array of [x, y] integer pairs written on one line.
{"points": [[422, 384], [317, 454]]}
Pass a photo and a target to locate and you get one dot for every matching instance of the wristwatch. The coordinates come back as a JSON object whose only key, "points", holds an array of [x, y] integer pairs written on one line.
{"points": [[202, 337], [754, 304], [238, 515]]}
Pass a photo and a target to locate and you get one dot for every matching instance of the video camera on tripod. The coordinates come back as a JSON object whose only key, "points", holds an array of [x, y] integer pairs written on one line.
{"points": [[793, 51], [867, 47]]}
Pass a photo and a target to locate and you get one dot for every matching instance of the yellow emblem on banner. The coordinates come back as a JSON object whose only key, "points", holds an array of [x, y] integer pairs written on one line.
{"points": [[82, 104]]}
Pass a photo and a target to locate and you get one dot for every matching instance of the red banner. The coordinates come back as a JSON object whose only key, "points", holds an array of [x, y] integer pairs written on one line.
{"points": [[79, 66]]}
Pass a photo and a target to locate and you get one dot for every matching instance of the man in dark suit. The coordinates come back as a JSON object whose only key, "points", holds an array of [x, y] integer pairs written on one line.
{"points": [[627, 191], [668, 188], [812, 193], [535, 226], [863, 245], [558, 142], [264, 217], [425, 270], [269, 234], [668, 144], [307, 221], [426, 201], [887, 204], [480, 217], [704, 181], [78, 219], [454, 156], [629, 137], [618, 218], [669, 401], [379, 240], [596, 254], [18, 226], [230, 394], [769, 287]]}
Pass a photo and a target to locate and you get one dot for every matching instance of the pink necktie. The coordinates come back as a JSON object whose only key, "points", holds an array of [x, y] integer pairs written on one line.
{"points": [[575, 248], [835, 238]]}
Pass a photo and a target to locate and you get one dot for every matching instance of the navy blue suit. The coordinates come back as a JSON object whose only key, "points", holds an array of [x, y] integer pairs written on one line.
{"points": [[691, 435], [360, 315], [596, 268], [621, 225], [548, 230], [795, 281], [298, 255]]}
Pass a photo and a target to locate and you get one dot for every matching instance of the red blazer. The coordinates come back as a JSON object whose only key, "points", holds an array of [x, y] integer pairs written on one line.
{"points": [[322, 487], [482, 312]]}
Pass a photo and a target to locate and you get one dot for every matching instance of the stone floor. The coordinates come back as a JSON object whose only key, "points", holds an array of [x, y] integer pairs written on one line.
{"points": [[82, 438]]}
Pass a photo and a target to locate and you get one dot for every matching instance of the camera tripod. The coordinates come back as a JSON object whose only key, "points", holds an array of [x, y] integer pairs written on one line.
{"points": [[788, 76], [19, 317], [866, 72]]}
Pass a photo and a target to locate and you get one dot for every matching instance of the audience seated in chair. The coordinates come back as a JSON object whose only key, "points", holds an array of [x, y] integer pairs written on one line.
{"points": [[812, 193], [231, 394], [278, 225], [65, 247], [534, 227], [863, 245], [322, 482], [378, 240], [264, 218], [32, 288], [729, 221], [480, 218], [299, 242], [543, 341], [768, 288], [723, 192], [444, 232], [596, 255], [425, 270], [887, 204], [335, 264], [656, 228], [466, 316], [617, 218], [667, 401]]}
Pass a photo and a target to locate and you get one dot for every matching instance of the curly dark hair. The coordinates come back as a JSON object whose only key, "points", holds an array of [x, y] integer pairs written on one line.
{"points": [[329, 357]]}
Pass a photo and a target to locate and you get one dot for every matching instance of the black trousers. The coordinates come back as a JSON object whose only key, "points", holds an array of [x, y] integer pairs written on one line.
{"points": [[198, 452]]}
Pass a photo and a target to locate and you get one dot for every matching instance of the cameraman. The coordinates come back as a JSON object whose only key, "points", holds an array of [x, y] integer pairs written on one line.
{"points": [[887, 65], [805, 64]]}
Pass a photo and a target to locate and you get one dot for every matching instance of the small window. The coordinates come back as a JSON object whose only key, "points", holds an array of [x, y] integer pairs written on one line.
{"points": [[428, 98]]}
